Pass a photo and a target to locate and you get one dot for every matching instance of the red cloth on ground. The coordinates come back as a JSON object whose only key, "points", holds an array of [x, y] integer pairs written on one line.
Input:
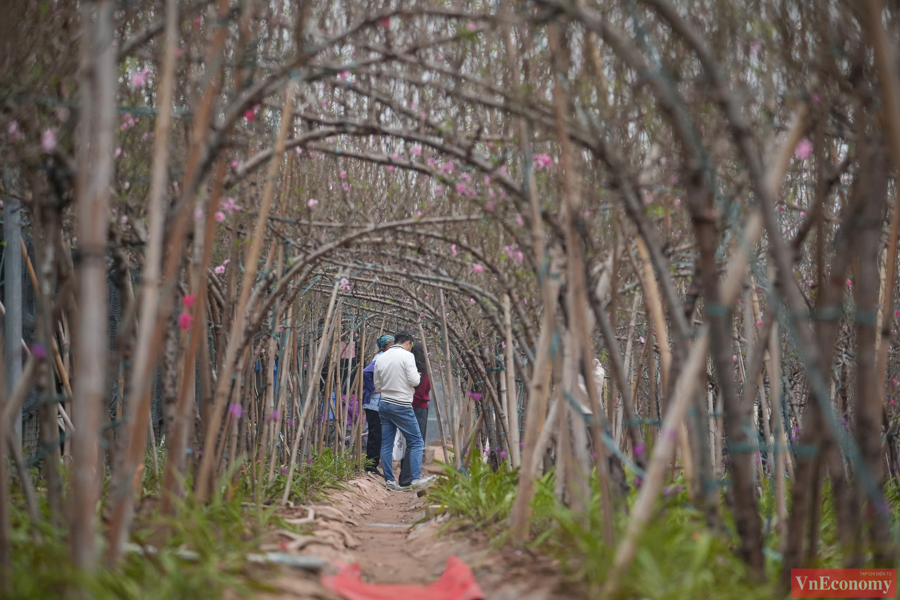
{"points": [[457, 583], [421, 394]]}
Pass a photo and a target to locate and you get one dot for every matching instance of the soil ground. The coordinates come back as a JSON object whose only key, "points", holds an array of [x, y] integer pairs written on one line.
{"points": [[391, 537]]}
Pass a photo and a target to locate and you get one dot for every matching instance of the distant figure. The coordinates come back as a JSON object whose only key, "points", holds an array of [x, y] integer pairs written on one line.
{"points": [[420, 408], [599, 378], [396, 377], [371, 399]]}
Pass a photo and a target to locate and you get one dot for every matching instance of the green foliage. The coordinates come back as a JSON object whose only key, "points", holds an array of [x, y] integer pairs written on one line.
{"points": [[679, 556], [326, 471], [197, 553], [483, 497]]}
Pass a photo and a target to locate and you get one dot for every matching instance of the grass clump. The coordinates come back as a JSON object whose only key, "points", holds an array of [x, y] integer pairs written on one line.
{"points": [[679, 556], [198, 552]]}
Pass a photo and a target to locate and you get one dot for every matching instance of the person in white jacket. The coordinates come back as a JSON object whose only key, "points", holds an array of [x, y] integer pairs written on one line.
{"points": [[396, 377]]}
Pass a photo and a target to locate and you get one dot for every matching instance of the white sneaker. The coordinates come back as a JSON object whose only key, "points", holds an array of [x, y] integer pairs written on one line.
{"points": [[422, 481], [392, 486]]}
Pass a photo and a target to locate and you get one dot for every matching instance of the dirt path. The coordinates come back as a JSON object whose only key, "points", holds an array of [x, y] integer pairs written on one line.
{"points": [[388, 535]]}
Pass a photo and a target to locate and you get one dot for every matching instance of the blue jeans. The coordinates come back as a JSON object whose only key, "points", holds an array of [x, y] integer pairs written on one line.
{"points": [[395, 417]]}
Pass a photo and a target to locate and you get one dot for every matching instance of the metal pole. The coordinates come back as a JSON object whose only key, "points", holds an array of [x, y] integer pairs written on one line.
{"points": [[12, 287]]}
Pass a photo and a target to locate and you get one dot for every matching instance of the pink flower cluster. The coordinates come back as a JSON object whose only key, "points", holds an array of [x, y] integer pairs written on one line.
{"points": [[541, 162], [513, 253], [221, 268], [229, 205], [140, 79], [14, 134], [128, 121]]}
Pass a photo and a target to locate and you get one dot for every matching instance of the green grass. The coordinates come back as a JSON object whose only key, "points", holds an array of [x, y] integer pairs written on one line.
{"points": [[679, 556], [218, 534]]}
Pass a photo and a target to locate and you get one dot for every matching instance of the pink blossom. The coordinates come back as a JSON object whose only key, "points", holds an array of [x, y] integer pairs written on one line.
{"points": [[472, 26], [734, 357], [453, 249], [312, 202], [14, 134], [395, 156], [236, 410], [344, 74], [48, 141], [385, 22], [476, 268], [226, 261], [343, 174], [390, 168], [802, 213], [448, 167], [781, 208], [472, 300], [188, 300], [198, 213], [466, 177], [234, 165], [460, 188], [139, 79], [118, 152], [520, 221], [897, 313], [642, 340], [39, 351], [345, 186], [541, 161], [184, 320], [219, 269], [804, 149], [220, 216], [431, 163], [848, 283], [418, 213], [345, 284], [759, 323], [417, 150], [249, 115], [677, 201], [489, 207]]}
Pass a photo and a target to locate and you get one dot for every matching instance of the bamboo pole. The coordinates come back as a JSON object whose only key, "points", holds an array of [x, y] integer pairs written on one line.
{"points": [[282, 393], [653, 300], [696, 360], [437, 402], [95, 170], [448, 390], [251, 262], [310, 390], [535, 412], [512, 411]]}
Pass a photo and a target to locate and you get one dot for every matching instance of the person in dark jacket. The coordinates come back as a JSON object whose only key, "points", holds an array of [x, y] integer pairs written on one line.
{"points": [[421, 396], [371, 400]]}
